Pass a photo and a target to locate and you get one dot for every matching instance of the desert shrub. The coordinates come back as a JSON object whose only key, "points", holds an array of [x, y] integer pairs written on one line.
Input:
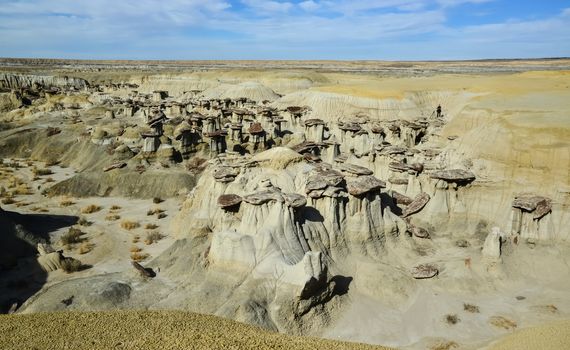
{"points": [[471, 308], [112, 217], [115, 207], [446, 345], [135, 249], [71, 265], [84, 222], [90, 209], [86, 247], [8, 200], [452, 319], [151, 226], [129, 225], [136, 239], [154, 211], [52, 162], [138, 256], [72, 236], [66, 202], [153, 237], [161, 216], [502, 322], [49, 179], [157, 200], [41, 172]]}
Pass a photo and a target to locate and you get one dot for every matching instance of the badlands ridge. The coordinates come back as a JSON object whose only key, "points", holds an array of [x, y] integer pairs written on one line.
{"points": [[327, 199]]}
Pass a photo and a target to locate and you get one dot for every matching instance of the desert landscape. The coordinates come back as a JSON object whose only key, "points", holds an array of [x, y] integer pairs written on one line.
{"points": [[285, 204]]}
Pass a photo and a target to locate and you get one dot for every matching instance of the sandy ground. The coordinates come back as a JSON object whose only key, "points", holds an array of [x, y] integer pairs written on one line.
{"points": [[111, 244], [553, 336], [146, 330]]}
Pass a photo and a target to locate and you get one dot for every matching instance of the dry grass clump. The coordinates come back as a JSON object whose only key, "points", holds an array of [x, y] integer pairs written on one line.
{"points": [[90, 209], [157, 200], [66, 202], [70, 265], [39, 210], [154, 211], [8, 200], [84, 222], [137, 256], [502, 322], [161, 216], [72, 236], [447, 345], [112, 217], [129, 225], [41, 171], [452, 319], [115, 207], [86, 247], [135, 249], [136, 239], [151, 226], [471, 308], [153, 237]]}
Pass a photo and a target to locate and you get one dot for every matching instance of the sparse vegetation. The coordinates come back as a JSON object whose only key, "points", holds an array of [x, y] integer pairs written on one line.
{"points": [[115, 207], [157, 200], [129, 225], [452, 319], [136, 239], [161, 215], [502, 322], [138, 256], [90, 209], [66, 202], [86, 247], [112, 217], [70, 265], [153, 237], [154, 211], [72, 236], [135, 249], [8, 200], [84, 222], [471, 308], [41, 171], [447, 345], [150, 226]]}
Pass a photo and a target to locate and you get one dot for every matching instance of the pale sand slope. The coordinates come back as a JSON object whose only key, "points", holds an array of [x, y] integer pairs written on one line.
{"points": [[553, 336], [146, 330]]}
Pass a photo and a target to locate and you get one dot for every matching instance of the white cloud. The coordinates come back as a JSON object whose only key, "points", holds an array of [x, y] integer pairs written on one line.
{"points": [[202, 29], [309, 5]]}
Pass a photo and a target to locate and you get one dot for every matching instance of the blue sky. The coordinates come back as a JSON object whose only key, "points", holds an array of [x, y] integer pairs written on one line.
{"points": [[285, 29]]}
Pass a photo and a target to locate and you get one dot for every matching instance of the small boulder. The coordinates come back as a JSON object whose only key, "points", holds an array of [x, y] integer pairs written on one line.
{"points": [[424, 271]]}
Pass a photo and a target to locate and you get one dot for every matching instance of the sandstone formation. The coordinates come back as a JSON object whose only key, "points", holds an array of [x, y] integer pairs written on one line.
{"points": [[305, 202]]}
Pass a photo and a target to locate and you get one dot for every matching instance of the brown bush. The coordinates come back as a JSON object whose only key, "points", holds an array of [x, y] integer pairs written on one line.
{"points": [[129, 225], [115, 207], [502, 322], [157, 200], [72, 236], [150, 226], [112, 217], [70, 265], [154, 211], [92, 208], [138, 256], [8, 200], [41, 172], [471, 308], [66, 202], [452, 319], [86, 247], [161, 216], [153, 237], [135, 249]]}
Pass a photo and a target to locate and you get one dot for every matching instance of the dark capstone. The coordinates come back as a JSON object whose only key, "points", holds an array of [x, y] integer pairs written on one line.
{"points": [[229, 200]]}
